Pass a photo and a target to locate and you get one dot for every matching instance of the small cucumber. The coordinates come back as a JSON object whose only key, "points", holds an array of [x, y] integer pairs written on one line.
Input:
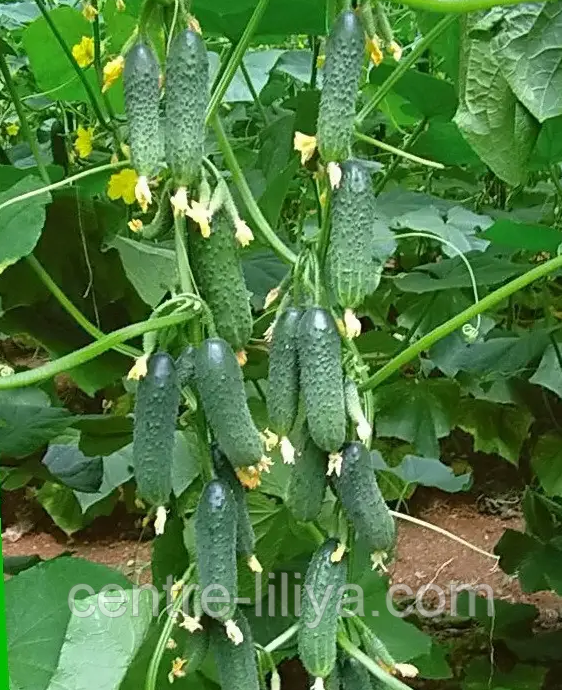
{"points": [[345, 50], [236, 664], [141, 77], [333, 681], [317, 632], [187, 95], [363, 502], [354, 676], [156, 410], [185, 366], [194, 649], [351, 271], [218, 273], [283, 391], [321, 378], [307, 483], [221, 387], [215, 528]]}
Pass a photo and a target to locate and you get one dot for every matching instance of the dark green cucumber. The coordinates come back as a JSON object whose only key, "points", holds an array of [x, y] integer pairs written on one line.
{"points": [[236, 664], [321, 378], [194, 649], [350, 267], [307, 483], [187, 95], [156, 410], [141, 77], [333, 681], [245, 536], [221, 387], [218, 272], [215, 527], [185, 366], [317, 633], [283, 391], [345, 50], [362, 500], [354, 676]]}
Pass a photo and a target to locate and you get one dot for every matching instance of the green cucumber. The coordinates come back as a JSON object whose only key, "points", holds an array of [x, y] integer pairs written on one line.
{"points": [[194, 649], [333, 681], [156, 410], [307, 483], [236, 664], [321, 378], [141, 77], [345, 50], [215, 528], [221, 387], [283, 391], [361, 498], [218, 273], [351, 271], [187, 95], [317, 633], [354, 676], [185, 366]]}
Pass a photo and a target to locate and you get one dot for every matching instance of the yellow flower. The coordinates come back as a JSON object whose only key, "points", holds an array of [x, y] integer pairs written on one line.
{"points": [[242, 357], [338, 554], [142, 193], [249, 477], [271, 297], [112, 71], [193, 24], [83, 143], [12, 129], [320, 61], [139, 369], [200, 214], [352, 324], [177, 669], [375, 52], [120, 5], [89, 11], [135, 225], [122, 186], [190, 624], [179, 201], [83, 52], [233, 632], [335, 461], [305, 145], [254, 565], [243, 233], [396, 51]]}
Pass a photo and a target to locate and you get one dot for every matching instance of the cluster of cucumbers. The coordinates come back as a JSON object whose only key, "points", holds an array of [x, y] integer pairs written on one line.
{"points": [[310, 400]]}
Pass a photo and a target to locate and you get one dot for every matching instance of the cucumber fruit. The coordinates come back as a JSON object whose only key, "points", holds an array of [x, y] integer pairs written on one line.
{"points": [[187, 95], [141, 77], [194, 649], [221, 387], [156, 409], [321, 378], [345, 50], [218, 272], [308, 482], [317, 633], [236, 664], [354, 676]]}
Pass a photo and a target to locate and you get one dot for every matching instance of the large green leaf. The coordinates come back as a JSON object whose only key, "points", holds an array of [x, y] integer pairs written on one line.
{"points": [[546, 461], [61, 504], [70, 466], [424, 471], [479, 676], [532, 238], [549, 373], [443, 142]]}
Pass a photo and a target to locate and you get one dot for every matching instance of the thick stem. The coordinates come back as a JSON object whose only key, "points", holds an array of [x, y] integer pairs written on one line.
{"points": [[282, 639], [387, 680], [184, 270]]}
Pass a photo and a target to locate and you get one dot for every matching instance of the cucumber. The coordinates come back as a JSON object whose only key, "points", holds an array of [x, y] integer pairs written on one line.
{"points": [[283, 392], [317, 643], [236, 664], [185, 366], [187, 95], [221, 387], [194, 649], [321, 378], [218, 273], [156, 409], [345, 50], [245, 536], [333, 681], [307, 483], [354, 676], [363, 502], [351, 271], [215, 528], [141, 77]]}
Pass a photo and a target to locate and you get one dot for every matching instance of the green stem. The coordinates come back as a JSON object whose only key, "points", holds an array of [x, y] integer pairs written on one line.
{"points": [[491, 300], [324, 240], [458, 6], [387, 680], [184, 270], [89, 352], [27, 133], [76, 314], [398, 152], [235, 60], [410, 141], [254, 210], [99, 71], [282, 639], [79, 71], [406, 63], [251, 88]]}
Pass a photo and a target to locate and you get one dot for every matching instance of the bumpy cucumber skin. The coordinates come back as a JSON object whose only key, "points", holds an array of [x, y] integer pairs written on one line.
{"points": [[215, 545], [221, 387], [218, 272], [307, 484], [321, 378], [345, 50], [362, 500], [236, 664], [354, 676], [185, 366], [350, 268], [317, 646], [156, 409], [245, 537], [195, 650], [141, 77], [283, 391], [187, 95]]}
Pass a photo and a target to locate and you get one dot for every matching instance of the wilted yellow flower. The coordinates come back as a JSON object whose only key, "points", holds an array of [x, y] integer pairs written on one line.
{"points": [[83, 52], [142, 193], [338, 553], [120, 5], [271, 297], [375, 52], [122, 186], [243, 233], [177, 669], [83, 143], [287, 451], [254, 565], [139, 369], [135, 225], [200, 214], [193, 24], [160, 521], [335, 461], [320, 61], [249, 476], [89, 11], [12, 129], [112, 71], [395, 50], [352, 324], [190, 623], [334, 174], [305, 145], [233, 632]]}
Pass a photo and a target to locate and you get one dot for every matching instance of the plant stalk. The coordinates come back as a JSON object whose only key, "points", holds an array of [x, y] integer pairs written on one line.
{"points": [[398, 152]]}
